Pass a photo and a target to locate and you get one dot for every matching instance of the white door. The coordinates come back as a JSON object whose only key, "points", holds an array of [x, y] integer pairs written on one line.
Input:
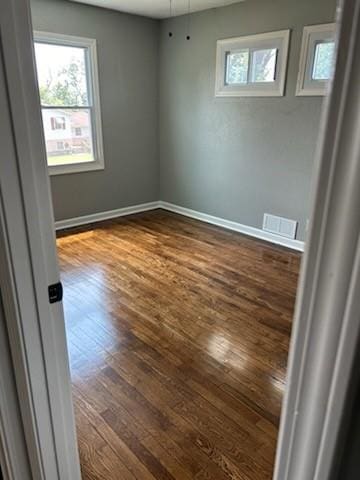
{"points": [[28, 260]]}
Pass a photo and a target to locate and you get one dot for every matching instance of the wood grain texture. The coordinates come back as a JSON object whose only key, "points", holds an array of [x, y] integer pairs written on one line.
{"points": [[178, 334]]}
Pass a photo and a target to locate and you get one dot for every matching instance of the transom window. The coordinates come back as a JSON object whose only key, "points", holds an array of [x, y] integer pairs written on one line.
{"points": [[251, 66], [254, 65], [316, 59], [68, 87]]}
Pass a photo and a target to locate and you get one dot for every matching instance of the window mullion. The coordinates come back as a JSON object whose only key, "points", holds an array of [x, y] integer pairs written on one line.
{"points": [[93, 132], [88, 75], [250, 68]]}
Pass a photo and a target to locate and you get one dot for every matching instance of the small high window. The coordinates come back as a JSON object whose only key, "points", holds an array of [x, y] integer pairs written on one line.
{"points": [[316, 59], [254, 65], [68, 86]]}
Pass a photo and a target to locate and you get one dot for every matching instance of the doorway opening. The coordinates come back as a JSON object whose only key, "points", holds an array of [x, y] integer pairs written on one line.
{"points": [[179, 311]]}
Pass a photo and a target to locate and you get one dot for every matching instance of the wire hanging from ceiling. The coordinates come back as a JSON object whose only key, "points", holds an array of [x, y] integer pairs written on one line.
{"points": [[170, 15], [188, 37], [188, 21]]}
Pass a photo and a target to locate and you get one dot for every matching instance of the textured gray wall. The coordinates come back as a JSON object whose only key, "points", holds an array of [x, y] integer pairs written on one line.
{"points": [[233, 158], [128, 72], [236, 158]]}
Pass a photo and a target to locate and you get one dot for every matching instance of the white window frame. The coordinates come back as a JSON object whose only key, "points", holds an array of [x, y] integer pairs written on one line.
{"points": [[312, 35], [92, 77], [278, 40]]}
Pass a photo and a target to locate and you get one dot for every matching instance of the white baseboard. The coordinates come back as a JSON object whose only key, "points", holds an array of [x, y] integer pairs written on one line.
{"points": [[221, 222], [110, 214], [237, 227]]}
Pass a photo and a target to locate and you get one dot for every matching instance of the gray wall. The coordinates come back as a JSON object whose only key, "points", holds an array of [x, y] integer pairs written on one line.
{"points": [[128, 70], [236, 158], [165, 134]]}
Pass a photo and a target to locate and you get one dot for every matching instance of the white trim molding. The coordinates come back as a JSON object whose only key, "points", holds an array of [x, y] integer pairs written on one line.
{"points": [[108, 215], [14, 460], [187, 212], [236, 227]]}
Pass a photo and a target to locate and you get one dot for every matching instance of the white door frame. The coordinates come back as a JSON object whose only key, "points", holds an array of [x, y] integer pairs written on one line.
{"points": [[327, 318], [28, 261], [327, 313], [13, 452]]}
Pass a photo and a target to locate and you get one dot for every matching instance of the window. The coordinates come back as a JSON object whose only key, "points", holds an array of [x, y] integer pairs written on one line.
{"points": [[57, 123], [68, 86], [316, 59], [254, 65], [323, 60]]}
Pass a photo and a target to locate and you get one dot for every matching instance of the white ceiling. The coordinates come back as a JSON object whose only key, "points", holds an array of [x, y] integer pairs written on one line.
{"points": [[158, 8]]}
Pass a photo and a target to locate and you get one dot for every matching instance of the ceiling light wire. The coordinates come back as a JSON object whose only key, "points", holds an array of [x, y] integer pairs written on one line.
{"points": [[170, 15], [189, 20]]}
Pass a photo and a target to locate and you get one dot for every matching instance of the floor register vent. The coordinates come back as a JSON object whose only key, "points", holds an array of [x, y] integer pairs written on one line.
{"points": [[280, 226]]}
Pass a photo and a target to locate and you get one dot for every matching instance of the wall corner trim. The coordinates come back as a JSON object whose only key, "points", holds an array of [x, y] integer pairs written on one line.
{"points": [[187, 212], [237, 227]]}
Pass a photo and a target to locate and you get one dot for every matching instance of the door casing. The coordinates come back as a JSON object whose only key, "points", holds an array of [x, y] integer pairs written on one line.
{"points": [[28, 260]]}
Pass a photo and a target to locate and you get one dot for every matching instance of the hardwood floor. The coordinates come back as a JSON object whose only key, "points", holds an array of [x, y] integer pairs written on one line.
{"points": [[178, 334]]}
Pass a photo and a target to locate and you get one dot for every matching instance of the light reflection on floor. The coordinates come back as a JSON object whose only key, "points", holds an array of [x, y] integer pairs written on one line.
{"points": [[221, 349]]}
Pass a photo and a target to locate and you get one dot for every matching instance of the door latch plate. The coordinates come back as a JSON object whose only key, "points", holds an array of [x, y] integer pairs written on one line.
{"points": [[55, 292]]}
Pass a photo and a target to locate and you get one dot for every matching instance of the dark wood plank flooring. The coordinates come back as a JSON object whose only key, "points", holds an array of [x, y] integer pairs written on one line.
{"points": [[178, 335]]}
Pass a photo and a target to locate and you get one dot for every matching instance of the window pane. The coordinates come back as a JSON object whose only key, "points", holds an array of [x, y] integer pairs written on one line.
{"points": [[323, 61], [263, 65], [68, 136], [62, 75], [237, 65]]}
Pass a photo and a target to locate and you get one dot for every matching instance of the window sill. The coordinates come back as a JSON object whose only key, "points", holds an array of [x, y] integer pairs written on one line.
{"points": [[312, 92], [75, 168], [250, 93]]}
